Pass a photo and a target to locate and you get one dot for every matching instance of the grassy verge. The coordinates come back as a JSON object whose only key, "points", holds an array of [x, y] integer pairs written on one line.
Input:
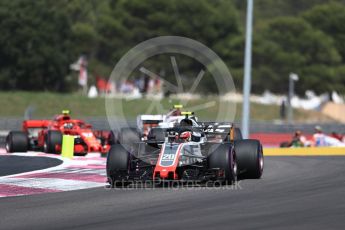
{"points": [[13, 104]]}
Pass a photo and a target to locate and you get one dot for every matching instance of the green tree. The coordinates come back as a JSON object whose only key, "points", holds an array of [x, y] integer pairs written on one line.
{"points": [[329, 18], [210, 22], [290, 44], [34, 45]]}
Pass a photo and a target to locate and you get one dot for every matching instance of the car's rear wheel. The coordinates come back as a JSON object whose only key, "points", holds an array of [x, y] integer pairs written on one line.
{"points": [[223, 157], [117, 165], [17, 141], [250, 158], [237, 134], [51, 140]]}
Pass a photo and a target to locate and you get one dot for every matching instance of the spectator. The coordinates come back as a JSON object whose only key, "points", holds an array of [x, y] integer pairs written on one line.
{"points": [[319, 138], [337, 136], [299, 140], [283, 110], [158, 85], [146, 84]]}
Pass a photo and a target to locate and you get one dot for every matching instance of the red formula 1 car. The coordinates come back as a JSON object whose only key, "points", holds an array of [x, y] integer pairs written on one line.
{"points": [[46, 135]]}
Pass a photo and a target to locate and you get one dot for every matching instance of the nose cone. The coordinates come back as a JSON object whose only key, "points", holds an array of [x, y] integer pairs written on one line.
{"points": [[164, 174]]}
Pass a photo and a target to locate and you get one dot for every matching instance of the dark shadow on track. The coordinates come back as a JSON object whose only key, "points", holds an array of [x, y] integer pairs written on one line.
{"points": [[20, 164]]}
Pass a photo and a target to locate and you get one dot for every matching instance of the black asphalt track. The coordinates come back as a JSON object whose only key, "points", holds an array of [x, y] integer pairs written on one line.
{"points": [[19, 164], [294, 193]]}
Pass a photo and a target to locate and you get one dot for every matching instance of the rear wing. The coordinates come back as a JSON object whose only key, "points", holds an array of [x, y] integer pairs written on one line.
{"points": [[223, 129], [33, 127], [144, 121], [219, 127], [27, 124]]}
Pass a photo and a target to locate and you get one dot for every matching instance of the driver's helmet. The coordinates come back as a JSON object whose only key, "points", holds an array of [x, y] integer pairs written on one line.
{"points": [[187, 135], [68, 125]]}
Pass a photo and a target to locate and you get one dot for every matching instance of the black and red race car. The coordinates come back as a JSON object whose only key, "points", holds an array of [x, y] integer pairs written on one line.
{"points": [[200, 153], [46, 135]]}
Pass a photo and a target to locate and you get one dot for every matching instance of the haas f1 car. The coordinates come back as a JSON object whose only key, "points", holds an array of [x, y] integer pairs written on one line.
{"points": [[46, 135], [187, 152]]}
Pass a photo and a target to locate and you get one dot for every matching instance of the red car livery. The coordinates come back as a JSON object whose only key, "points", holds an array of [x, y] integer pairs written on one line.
{"points": [[46, 135]]}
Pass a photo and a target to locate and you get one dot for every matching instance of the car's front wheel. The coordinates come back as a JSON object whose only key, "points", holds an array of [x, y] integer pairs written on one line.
{"points": [[51, 140], [129, 136], [117, 165], [223, 157]]}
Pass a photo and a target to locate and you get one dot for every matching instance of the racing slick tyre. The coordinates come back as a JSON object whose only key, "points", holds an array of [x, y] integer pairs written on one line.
{"points": [[222, 156], [238, 134], [17, 141], [51, 139], [156, 134], [250, 159], [113, 137], [129, 136], [117, 165]]}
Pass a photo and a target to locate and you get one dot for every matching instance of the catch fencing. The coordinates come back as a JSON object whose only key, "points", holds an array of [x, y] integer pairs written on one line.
{"points": [[101, 123]]}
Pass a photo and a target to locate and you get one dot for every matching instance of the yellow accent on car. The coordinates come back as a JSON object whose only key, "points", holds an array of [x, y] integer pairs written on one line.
{"points": [[187, 113], [65, 112], [232, 133], [67, 146]]}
